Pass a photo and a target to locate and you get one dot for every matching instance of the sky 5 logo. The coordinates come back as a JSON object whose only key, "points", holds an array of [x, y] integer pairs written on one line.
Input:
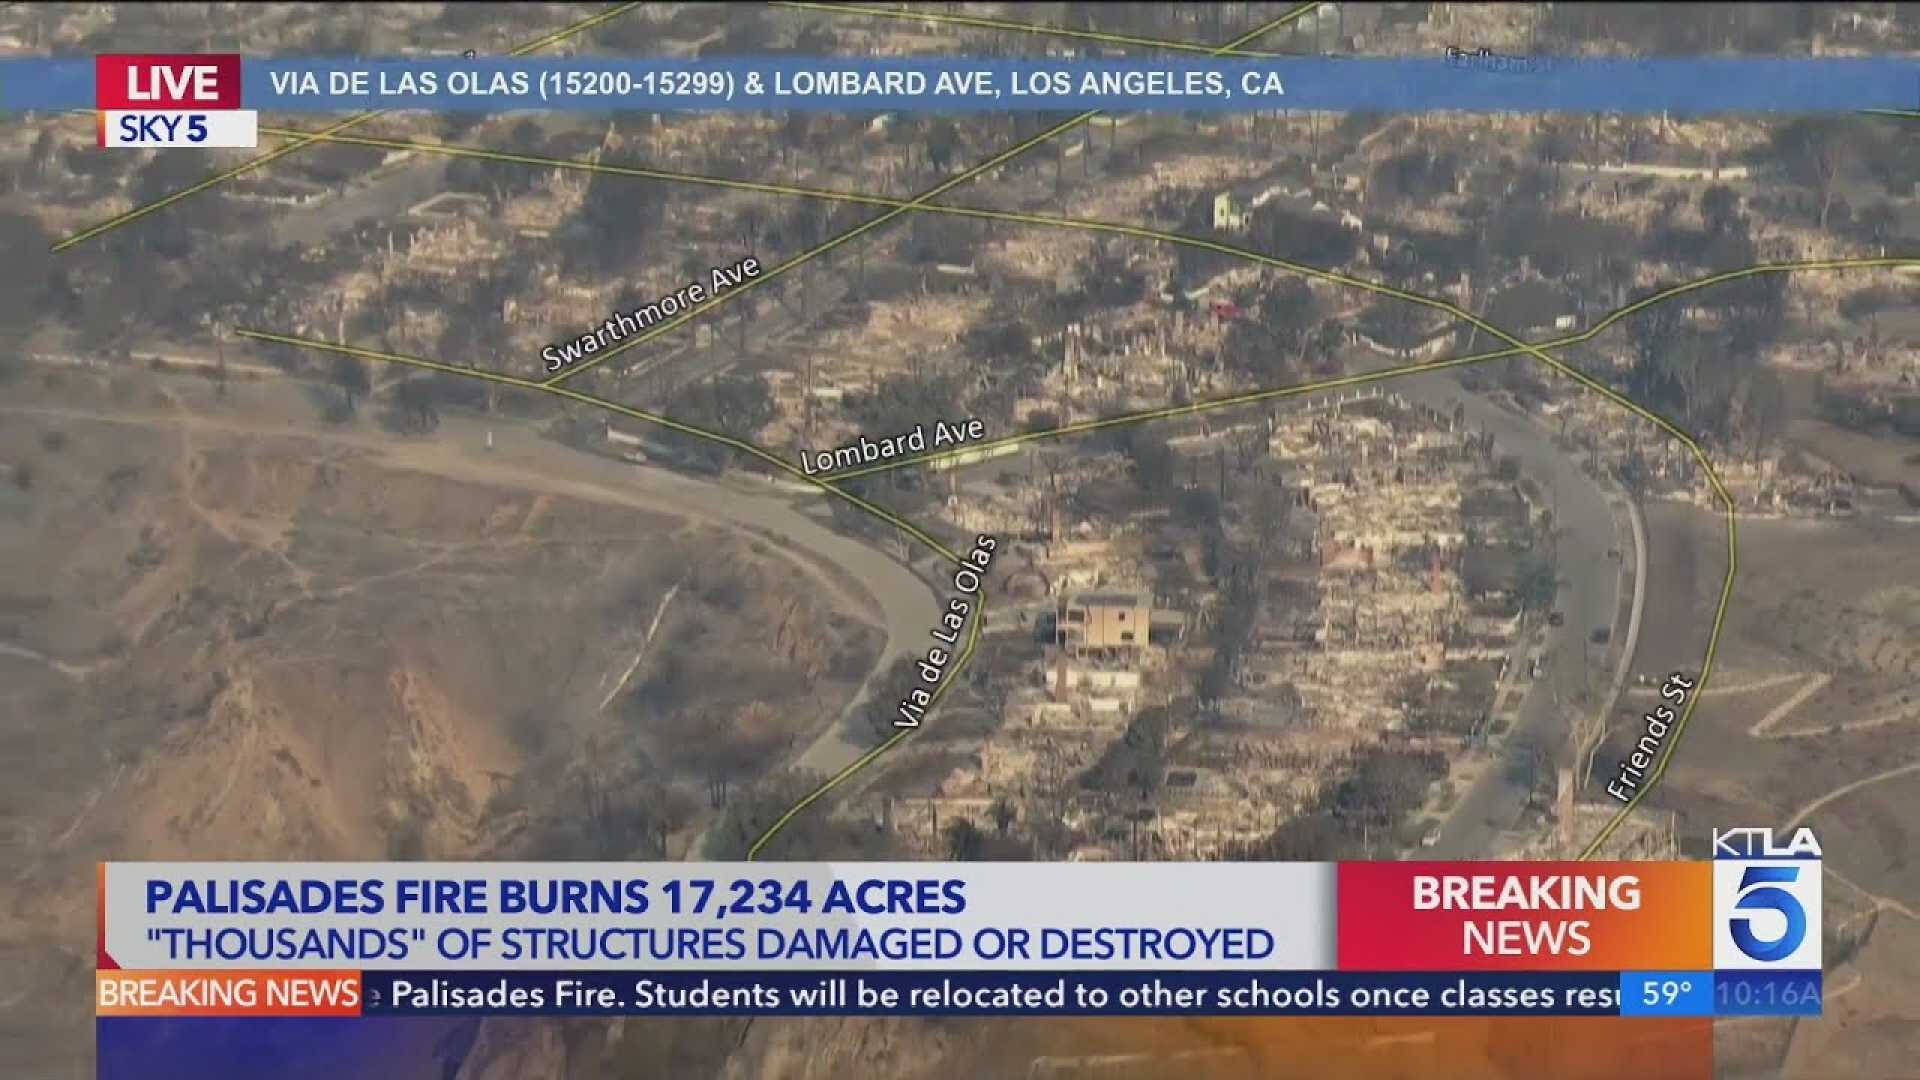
{"points": [[1766, 900]]}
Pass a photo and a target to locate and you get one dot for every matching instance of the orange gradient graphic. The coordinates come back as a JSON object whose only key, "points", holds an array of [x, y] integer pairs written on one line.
{"points": [[1655, 916], [226, 993]]}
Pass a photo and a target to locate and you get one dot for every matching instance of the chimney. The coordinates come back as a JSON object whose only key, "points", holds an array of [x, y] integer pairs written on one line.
{"points": [[1564, 808]]}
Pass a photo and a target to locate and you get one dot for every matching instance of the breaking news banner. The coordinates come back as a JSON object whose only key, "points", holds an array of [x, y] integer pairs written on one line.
{"points": [[151, 101], [1739, 936]]}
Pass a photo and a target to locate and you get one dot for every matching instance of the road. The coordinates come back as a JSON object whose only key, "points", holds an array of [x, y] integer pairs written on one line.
{"points": [[1631, 643], [1589, 597], [384, 197], [776, 324]]}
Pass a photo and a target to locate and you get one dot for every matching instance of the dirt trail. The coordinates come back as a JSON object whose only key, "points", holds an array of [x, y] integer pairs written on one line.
{"points": [[1766, 683], [1881, 903], [71, 671], [639, 653], [1766, 727], [1844, 790], [1763, 727]]}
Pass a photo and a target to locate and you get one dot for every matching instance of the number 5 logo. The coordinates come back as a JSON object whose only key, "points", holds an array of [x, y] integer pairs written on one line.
{"points": [[1757, 893]]}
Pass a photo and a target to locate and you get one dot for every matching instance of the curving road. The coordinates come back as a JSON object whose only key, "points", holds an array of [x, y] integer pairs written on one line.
{"points": [[1589, 597], [524, 460]]}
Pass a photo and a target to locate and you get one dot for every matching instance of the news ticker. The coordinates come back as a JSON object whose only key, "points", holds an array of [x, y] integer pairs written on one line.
{"points": [[957, 993], [176, 100], [1735, 936]]}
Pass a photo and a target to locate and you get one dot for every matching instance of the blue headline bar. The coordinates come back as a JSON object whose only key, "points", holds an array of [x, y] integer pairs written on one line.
{"points": [[1464, 81]]}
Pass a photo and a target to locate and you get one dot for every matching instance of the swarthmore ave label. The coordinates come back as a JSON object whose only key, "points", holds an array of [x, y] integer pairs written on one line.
{"points": [[933, 666], [624, 324]]}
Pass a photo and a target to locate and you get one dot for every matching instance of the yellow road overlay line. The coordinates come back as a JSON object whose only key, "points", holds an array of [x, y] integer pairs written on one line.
{"points": [[916, 202], [277, 153], [984, 23], [1517, 347]]}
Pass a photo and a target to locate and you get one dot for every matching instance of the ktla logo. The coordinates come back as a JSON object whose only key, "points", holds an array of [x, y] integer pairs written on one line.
{"points": [[1766, 900]]}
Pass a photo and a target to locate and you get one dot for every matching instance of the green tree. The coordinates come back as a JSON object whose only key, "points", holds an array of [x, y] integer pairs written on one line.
{"points": [[1385, 785], [24, 277], [1270, 343], [1137, 761], [1323, 347], [883, 702], [796, 132], [350, 376], [1417, 173], [1312, 238], [1271, 511], [616, 215], [1003, 815], [750, 813], [1554, 148], [1719, 208], [806, 223], [168, 234], [1197, 508], [1311, 837], [415, 407], [1652, 332], [498, 180], [901, 401], [1008, 342], [965, 841], [1538, 584], [1810, 149], [943, 138], [1152, 459], [736, 405], [1763, 413]]}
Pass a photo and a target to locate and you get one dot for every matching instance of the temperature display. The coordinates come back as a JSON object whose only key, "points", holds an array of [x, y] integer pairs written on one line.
{"points": [[1666, 993]]}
